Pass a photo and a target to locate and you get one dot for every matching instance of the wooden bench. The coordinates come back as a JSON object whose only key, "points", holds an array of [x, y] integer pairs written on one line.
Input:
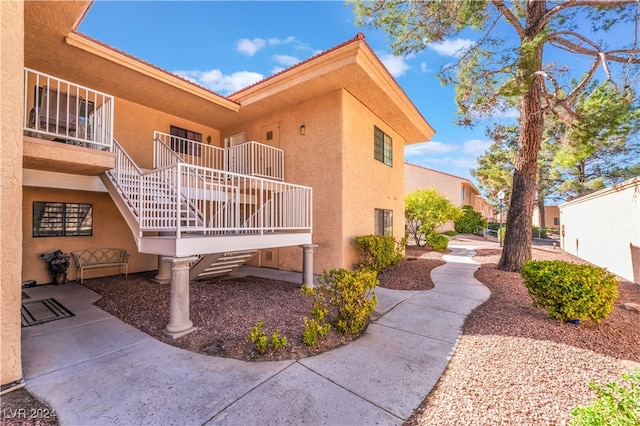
{"points": [[101, 258]]}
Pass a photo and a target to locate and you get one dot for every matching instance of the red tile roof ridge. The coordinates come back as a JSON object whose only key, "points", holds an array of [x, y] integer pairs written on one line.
{"points": [[142, 61]]}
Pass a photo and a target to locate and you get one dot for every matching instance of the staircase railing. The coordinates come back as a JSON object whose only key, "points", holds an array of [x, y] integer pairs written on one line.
{"points": [[256, 159], [191, 152], [164, 199], [249, 158]]}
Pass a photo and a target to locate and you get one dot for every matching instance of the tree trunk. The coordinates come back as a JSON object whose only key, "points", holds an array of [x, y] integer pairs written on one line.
{"points": [[541, 216], [517, 243]]}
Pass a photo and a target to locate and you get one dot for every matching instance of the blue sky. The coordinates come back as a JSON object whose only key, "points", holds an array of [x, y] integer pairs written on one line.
{"points": [[226, 46]]}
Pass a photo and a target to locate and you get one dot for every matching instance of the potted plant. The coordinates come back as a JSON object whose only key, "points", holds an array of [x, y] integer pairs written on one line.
{"points": [[58, 263]]}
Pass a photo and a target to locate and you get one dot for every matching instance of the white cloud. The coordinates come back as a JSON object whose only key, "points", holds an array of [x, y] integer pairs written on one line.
{"points": [[466, 162], [250, 46], [424, 67], [475, 146], [286, 60], [218, 82], [277, 41], [428, 148], [455, 47], [396, 65]]}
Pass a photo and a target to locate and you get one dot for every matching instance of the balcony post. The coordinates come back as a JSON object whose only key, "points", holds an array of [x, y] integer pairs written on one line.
{"points": [[307, 264], [179, 322]]}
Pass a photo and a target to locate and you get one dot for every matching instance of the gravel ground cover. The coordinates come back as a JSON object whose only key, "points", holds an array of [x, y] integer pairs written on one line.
{"points": [[515, 366], [512, 366]]}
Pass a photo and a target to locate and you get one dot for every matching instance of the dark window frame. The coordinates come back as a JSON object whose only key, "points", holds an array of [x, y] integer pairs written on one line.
{"points": [[56, 219], [178, 146], [382, 147], [383, 222]]}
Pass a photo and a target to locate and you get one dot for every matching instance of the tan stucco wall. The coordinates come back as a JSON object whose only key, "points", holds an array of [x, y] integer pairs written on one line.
{"points": [[421, 178], [315, 160], [134, 125], [550, 212], [11, 98], [604, 228], [109, 230], [450, 186], [368, 183]]}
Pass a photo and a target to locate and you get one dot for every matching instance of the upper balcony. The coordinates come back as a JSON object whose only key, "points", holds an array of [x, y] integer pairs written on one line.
{"points": [[67, 127]]}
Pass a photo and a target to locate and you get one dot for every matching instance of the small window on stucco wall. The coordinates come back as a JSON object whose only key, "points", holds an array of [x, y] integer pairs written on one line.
{"points": [[52, 219], [383, 222], [382, 147]]}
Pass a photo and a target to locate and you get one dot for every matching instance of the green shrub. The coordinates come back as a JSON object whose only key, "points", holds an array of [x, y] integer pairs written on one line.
{"points": [[437, 241], [316, 327], [262, 343], [351, 294], [569, 291], [469, 221], [615, 404], [502, 232], [380, 251], [314, 330], [538, 232], [450, 233]]}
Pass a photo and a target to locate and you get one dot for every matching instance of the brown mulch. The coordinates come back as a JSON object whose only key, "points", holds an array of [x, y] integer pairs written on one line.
{"points": [[509, 311], [225, 311]]}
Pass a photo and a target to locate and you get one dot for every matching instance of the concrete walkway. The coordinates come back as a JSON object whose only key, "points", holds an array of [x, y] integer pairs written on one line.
{"points": [[94, 369]]}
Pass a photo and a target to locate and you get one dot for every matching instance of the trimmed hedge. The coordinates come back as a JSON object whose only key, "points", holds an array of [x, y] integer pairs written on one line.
{"points": [[570, 291], [379, 251], [437, 241]]}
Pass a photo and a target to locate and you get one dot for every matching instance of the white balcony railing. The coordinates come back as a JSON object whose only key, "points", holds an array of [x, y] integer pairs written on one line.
{"points": [[249, 158], [184, 198], [62, 111]]}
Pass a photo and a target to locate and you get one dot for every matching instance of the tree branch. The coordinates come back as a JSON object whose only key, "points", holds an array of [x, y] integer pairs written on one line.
{"points": [[582, 3], [510, 17]]}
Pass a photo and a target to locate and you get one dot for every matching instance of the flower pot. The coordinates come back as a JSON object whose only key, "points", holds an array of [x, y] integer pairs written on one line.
{"points": [[60, 279]]}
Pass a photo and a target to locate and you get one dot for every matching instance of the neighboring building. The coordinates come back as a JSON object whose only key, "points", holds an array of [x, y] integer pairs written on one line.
{"points": [[604, 228], [460, 191], [100, 149], [551, 217]]}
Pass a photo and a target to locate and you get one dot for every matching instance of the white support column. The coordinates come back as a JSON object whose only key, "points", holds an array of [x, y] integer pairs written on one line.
{"points": [[307, 264], [164, 272], [179, 322]]}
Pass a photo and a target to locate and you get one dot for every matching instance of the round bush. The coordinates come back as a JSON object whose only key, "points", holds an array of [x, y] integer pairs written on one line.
{"points": [[569, 291], [438, 242]]}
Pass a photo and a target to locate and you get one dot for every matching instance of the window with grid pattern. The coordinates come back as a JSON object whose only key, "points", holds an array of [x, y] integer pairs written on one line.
{"points": [[62, 219], [383, 222], [382, 147]]}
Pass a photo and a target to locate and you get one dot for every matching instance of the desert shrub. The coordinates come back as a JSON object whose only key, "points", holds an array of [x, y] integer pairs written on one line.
{"points": [[501, 233], [380, 251], [437, 241], [313, 331], [615, 404], [262, 342], [538, 232], [569, 291], [351, 294], [316, 326], [469, 221]]}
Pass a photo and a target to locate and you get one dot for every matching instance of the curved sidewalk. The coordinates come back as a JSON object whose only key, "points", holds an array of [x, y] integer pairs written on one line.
{"points": [[94, 369]]}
